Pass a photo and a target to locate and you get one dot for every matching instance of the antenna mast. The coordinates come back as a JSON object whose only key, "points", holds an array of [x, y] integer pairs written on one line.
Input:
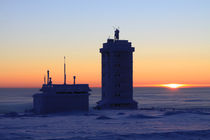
{"points": [[74, 80], [44, 79], [48, 76], [64, 70], [116, 34]]}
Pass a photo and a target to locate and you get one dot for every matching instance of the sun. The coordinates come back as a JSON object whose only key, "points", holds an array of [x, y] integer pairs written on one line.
{"points": [[173, 85]]}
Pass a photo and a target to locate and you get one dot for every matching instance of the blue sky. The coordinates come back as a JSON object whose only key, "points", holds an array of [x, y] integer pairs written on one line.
{"points": [[163, 31]]}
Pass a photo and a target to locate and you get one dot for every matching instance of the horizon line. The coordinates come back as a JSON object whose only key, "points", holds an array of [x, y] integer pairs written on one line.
{"points": [[143, 85]]}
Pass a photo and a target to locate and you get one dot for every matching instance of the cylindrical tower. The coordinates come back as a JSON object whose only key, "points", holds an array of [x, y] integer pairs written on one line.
{"points": [[117, 74]]}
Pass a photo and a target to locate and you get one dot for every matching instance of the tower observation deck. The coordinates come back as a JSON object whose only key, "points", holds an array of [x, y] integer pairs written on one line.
{"points": [[117, 74]]}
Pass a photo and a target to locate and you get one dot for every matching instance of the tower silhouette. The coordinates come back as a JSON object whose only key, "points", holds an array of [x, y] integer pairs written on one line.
{"points": [[117, 74]]}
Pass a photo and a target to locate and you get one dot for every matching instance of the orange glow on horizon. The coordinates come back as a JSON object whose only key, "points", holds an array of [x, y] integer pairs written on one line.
{"points": [[174, 85], [38, 84], [166, 85]]}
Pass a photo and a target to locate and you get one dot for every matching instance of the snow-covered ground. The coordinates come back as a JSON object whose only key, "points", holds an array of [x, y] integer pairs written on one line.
{"points": [[163, 114], [175, 124]]}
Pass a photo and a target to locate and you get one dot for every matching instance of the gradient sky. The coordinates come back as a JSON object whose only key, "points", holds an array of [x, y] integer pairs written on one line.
{"points": [[171, 40]]}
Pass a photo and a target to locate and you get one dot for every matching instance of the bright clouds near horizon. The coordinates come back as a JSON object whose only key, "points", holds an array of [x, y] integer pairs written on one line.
{"points": [[171, 40]]}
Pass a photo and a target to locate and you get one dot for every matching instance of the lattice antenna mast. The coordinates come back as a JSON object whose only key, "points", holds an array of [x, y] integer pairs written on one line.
{"points": [[44, 79], [64, 70]]}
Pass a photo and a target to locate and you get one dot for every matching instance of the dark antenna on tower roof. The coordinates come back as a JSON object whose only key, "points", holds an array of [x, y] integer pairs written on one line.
{"points": [[116, 34]]}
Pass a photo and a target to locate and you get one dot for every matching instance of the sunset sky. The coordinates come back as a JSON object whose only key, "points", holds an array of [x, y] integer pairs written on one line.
{"points": [[171, 40]]}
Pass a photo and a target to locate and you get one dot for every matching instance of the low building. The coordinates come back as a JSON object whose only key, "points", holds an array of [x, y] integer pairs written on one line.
{"points": [[61, 97]]}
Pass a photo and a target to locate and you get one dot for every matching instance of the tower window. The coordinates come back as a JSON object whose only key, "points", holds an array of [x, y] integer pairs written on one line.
{"points": [[117, 85], [117, 65], [117, 74], [117, 54], [117, 94]]}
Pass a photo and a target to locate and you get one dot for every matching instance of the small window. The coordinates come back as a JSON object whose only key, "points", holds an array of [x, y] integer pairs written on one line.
{"points": [[117, 75], [117, 85], [117, 65], [117, 55], [117, 94]]}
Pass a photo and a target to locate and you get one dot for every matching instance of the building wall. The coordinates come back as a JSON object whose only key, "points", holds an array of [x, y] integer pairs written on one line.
{"points": [[117, 71], [44, 103]]}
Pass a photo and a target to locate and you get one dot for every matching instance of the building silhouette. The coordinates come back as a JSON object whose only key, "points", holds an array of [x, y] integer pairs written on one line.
{"points": [[117, 74], [61, 97]]}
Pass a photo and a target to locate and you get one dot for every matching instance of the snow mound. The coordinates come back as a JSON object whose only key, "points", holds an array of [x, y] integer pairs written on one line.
{"points": [[169, 113], [120, 113], [103, 118], [11, 114], [141, 116]]}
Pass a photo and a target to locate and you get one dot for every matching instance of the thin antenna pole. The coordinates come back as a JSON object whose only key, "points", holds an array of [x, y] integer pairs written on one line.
{"points": [[64, 70], [74, 80], [48, 76], [44, 79]]}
